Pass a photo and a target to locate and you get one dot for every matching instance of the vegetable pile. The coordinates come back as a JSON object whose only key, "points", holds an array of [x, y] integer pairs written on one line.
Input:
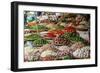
{"points": [[72, 37], [40, 42], [56, 36]]}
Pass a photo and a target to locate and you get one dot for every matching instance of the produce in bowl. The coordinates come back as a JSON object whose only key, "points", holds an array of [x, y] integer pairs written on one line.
{"points": [[59, 40]]}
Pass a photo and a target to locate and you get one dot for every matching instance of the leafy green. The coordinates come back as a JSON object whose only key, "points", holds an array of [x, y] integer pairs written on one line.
{"points": [[36, 27], [37, 40], [32, 37], [73, 37], [40, 42]]}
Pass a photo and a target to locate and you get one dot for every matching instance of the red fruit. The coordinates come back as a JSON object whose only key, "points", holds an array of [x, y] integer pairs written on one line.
{"points": [[59, 32], [51, 35], [70, 29]]}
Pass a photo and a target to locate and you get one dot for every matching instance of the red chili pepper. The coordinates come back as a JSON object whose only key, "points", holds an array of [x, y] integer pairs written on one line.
{"points": [[51, 35], [57, 32], [60, 32], [70, 29]]}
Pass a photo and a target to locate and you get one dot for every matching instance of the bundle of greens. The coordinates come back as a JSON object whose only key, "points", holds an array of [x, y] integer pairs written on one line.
{"points": [[36, 39], [40, 42], [32, 37]]}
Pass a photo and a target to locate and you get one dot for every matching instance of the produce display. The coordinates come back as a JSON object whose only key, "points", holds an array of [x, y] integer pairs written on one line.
{"points": [[52, 36]]}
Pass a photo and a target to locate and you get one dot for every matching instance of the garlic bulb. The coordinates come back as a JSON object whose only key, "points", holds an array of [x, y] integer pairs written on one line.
{"points": [[82, 53]]}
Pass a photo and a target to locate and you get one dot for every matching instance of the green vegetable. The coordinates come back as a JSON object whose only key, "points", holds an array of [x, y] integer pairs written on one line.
{"points": [[32, 37], [38, 27], [40, 42], [72, 37], [66, 57], [37, 40]]}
